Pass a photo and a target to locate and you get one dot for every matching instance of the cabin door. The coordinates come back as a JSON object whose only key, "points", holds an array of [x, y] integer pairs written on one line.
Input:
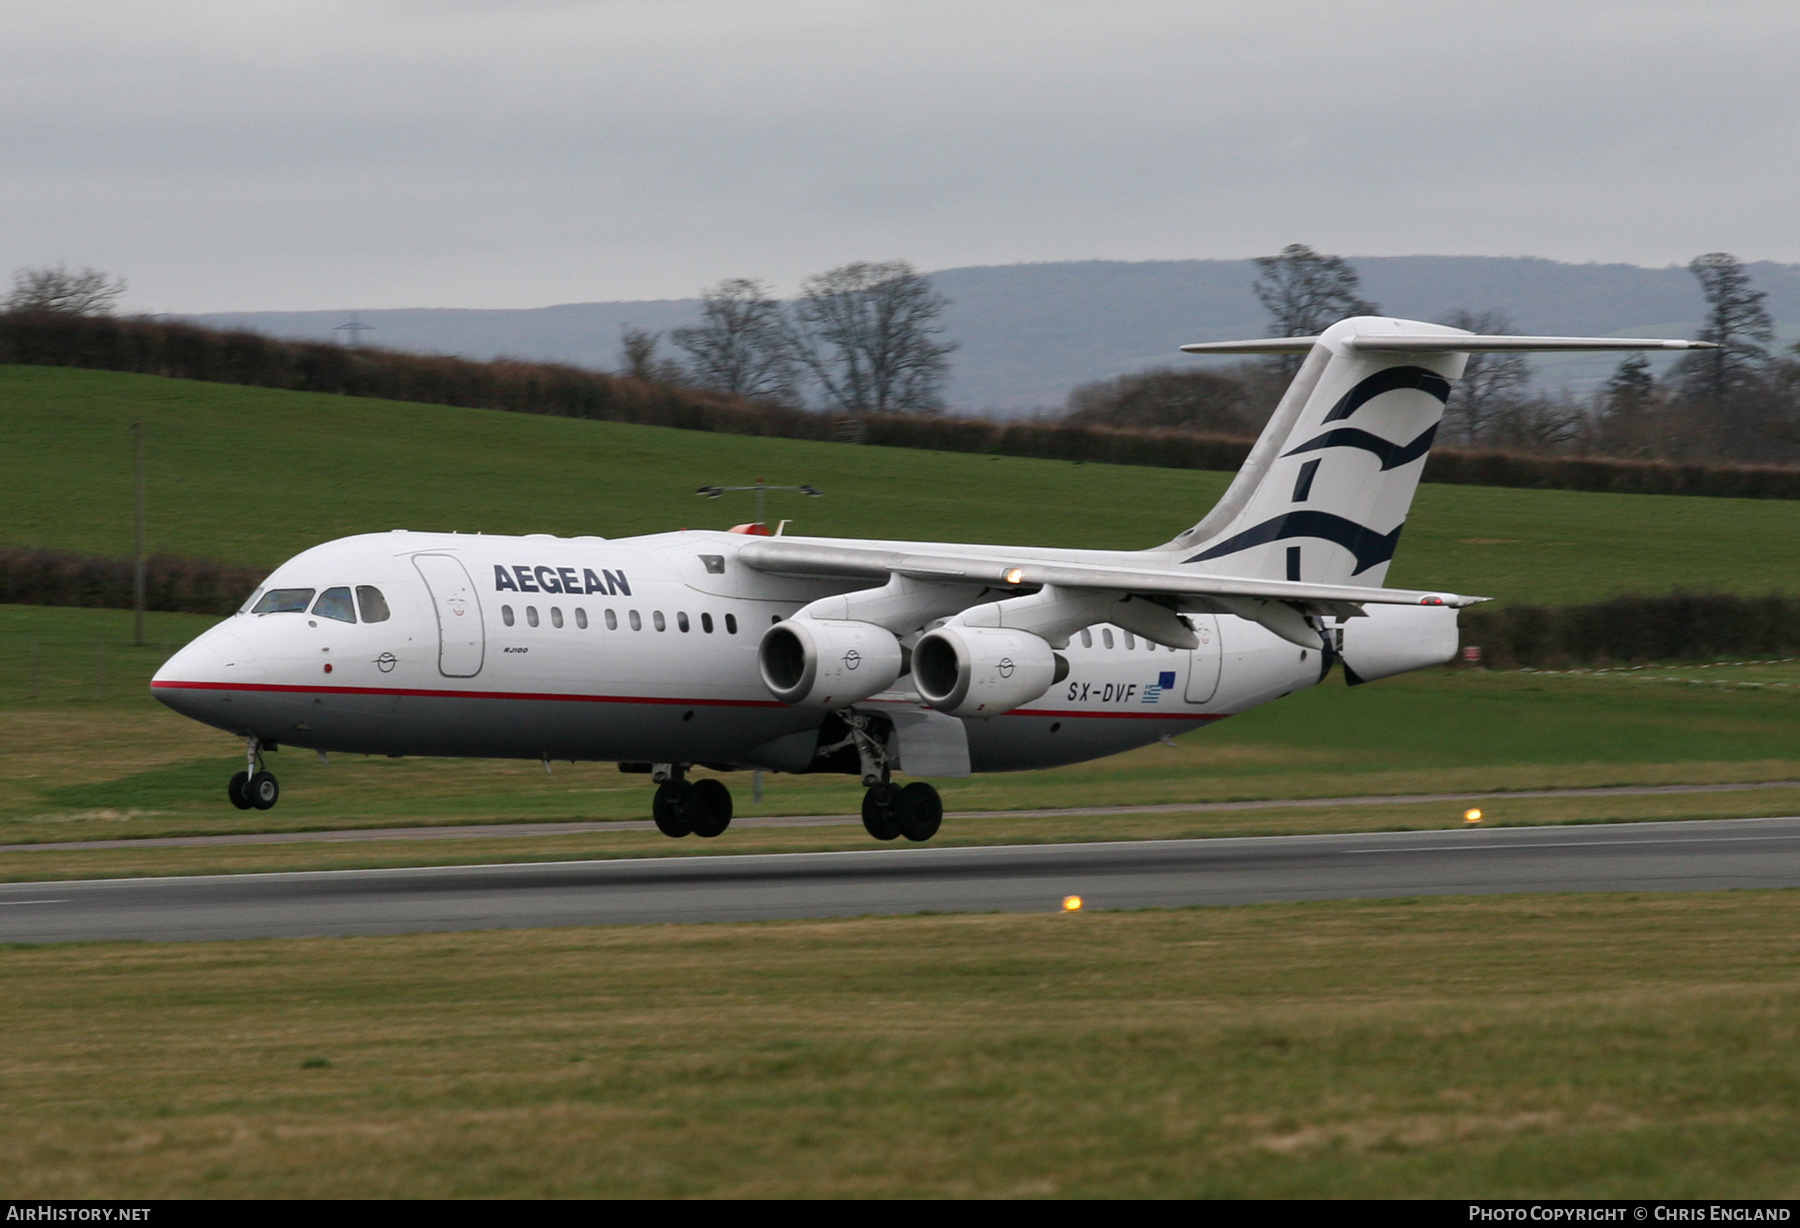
{"points": [[462, 642], [1204, 661]]}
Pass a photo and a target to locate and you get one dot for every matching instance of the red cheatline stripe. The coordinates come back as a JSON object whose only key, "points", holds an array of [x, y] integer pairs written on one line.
{"points": [[430, 694], [622, 699], [1066, 714]]}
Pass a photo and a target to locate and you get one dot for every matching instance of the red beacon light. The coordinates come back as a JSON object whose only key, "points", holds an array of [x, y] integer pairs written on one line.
{"points": [[1422, 600]]}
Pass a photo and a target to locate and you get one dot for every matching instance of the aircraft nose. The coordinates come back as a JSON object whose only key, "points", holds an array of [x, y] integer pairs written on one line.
{"points": [[214, 662]]}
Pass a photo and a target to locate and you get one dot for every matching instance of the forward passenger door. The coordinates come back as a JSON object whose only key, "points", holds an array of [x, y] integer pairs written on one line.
{"points": [[462, 640]]}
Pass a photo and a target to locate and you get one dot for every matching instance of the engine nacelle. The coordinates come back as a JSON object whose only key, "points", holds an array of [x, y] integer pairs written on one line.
{"points": [[983, 671], [814, 663], [1396, 638]]}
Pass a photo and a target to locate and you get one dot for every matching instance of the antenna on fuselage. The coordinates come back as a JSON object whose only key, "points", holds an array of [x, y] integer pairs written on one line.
{"points": [[761, 488]]}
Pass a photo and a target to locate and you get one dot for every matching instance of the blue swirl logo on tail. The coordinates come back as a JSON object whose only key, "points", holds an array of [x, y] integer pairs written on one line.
{"points": [[1369, 547]]}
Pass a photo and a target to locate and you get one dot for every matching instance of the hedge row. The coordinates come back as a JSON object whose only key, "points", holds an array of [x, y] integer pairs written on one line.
{"points": [[153, 347], [1180, 450], [185, 351], [183, 586], [1630, 629]]}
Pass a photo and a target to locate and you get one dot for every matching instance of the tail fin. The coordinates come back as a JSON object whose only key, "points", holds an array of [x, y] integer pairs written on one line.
{"points": [[1325, 491]]}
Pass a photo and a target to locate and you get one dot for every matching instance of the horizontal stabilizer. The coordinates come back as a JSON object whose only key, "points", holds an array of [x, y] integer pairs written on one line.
{"points": [[1438, 343]]}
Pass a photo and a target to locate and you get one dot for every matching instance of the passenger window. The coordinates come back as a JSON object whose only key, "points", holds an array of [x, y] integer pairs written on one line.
{"points": [[581, 619], [612, 621], [706, 623], [506, 615], [681, 622], [1106, 636], [1087, 638], [731, 624], [556, 616], [284, 601], [531, 615], [335, 603], [660, 624], [637, 624], [373, 605], [1130, 641]]}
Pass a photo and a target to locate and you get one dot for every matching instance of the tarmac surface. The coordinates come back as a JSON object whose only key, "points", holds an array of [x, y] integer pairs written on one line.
{"points": [[1668, 856], [473, 831]]}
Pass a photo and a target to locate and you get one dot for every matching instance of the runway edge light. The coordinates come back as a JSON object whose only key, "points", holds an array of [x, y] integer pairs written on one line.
{"points": [[1071, 903], [1472, 815]]}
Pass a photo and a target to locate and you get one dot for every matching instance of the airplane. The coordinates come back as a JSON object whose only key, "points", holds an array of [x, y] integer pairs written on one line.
{"points": [[742, 650]]}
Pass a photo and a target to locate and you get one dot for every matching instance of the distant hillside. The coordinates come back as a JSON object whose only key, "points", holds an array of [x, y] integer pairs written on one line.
{"points": [[1030, 332]]}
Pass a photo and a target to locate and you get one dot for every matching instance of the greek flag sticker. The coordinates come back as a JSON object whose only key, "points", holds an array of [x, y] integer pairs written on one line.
{"points": [[1164, 681]]}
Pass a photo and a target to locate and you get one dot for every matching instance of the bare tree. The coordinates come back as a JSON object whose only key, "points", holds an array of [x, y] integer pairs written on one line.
{"points": [[1306, 292], [1627, 410], [1737, 321], [638, 360], [1540, 424], [868, 335], [1218, 402], [740, 345], [1490, 384], [55, 290]]}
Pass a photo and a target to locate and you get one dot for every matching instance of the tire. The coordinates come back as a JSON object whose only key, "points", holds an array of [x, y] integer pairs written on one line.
{"points": [[235, 791], [708, 806], [919, 811], [263, 790], [878, 812], [670, 811]]}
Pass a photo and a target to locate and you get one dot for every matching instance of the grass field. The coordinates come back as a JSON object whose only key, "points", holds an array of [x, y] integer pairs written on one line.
{"points": [[1569, 1046], [253, 475]]}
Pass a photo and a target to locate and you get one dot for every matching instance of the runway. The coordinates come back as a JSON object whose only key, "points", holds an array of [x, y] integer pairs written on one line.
{"points": [[487, 831], [1684, 856]]}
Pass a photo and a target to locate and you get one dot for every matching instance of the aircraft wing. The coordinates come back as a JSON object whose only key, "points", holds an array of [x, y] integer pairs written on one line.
{"points": [[1021, 571]]}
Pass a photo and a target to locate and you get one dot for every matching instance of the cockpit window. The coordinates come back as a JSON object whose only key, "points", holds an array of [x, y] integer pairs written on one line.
{"points": [[335, 603], [250, 601], [374, 605], [284, 601]]}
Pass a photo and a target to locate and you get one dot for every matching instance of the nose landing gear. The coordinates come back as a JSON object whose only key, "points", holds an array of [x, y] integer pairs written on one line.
{"points": [[682, 807], [254, 786]]}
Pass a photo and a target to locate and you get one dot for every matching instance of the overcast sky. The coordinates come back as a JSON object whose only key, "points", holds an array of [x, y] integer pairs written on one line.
{"points": [[259, 154]]}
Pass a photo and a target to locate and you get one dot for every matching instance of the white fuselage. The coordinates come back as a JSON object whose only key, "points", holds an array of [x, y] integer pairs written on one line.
{"points": [[640, 650]]}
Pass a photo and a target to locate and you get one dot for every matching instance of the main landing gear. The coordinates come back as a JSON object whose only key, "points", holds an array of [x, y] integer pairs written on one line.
{"points": [[889, 811], [689, 807], [255, 785], [915, 811]]}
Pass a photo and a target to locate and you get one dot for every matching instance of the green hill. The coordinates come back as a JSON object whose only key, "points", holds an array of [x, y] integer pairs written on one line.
{"points": [[253, 475]]}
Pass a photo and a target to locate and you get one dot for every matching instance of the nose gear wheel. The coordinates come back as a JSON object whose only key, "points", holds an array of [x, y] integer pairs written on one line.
{"points": [[255, 786]]}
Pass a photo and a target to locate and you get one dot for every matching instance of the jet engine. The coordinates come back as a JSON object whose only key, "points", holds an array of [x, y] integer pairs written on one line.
{"points": [[983, 671], [816, 663], [1396, 638]]}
